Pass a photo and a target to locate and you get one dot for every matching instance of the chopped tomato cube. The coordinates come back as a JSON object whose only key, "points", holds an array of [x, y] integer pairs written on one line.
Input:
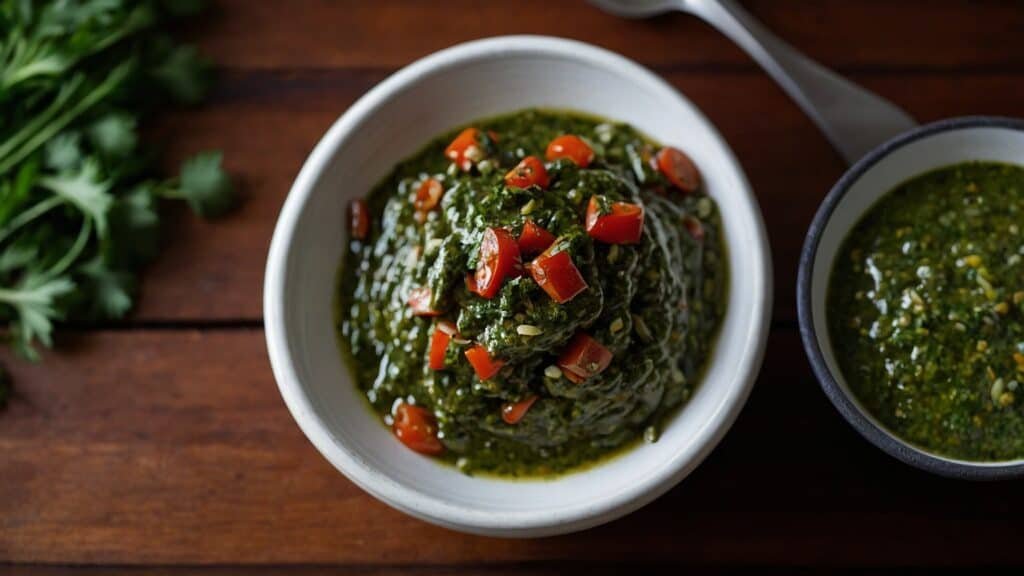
{"points": [[428, 195], [513, 412], [443, 333], [529, 172], [465, 149], [584, 356], [499, 259], [623, 225], [534, 239], [419, 301], [471, 283], [358, 219], [679, 169], [483, 365], [557, 275], [572, 377], [416, 427], [694, 228], [571, 147]]}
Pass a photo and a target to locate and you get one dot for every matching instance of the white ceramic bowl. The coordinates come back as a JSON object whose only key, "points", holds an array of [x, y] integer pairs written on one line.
{"points": [[393, 121], [914, 153]]}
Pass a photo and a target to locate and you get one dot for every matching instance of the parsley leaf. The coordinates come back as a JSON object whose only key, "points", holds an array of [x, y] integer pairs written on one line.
{"points": [[64, 152], [204, 185], [34, 301], [184, 74], [86, 190], [114, 134], [111, 290]]}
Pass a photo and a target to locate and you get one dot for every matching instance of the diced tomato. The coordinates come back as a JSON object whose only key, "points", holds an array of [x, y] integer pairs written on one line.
{"points": [[534, 239], [428, 195], [513, 412], [557, 275], [679, 169], [623, 225], [465, 149], [499, 259], [529, 172], [443, 333], [483, 365], [584, 356], [419, 301], [471, 283], [416, 427], [358, 219], [694, 228], [571, 147], [572, 377]]}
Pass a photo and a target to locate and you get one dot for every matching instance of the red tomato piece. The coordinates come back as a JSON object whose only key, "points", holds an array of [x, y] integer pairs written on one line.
{"points": [[571, 147], [513, 412], [471, 283], [416, 427], [529, 172], [484, 366], [584, 356], [419, 301], [679, 169], [623, 225], [572, 377], [358, 219], [557, 275], [499, 259], [465, 149], [534, 239], [443, 333], [428, 195], [694, 228]]}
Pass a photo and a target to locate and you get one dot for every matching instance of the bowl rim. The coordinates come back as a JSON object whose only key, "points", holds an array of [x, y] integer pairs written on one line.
{"points": [[874, 432], [753, 335]]}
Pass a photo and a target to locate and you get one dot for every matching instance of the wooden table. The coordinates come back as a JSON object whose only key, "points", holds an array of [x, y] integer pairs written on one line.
{"points": [[161, 441]]}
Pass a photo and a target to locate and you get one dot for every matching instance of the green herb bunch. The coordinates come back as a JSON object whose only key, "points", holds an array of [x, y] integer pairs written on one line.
{"points": [[79, 197]]}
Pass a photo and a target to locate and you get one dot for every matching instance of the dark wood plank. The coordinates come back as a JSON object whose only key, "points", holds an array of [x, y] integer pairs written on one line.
{"points": [[933, 34], [174, 447], [267, 123], [560, 568]]}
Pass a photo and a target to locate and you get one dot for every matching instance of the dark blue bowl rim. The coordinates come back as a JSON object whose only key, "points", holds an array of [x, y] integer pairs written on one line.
{"points": [[874, 433]]}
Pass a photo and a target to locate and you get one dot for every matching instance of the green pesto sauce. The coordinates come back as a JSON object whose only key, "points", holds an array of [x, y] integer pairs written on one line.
{"points": [[926, 311], [656, 305]]}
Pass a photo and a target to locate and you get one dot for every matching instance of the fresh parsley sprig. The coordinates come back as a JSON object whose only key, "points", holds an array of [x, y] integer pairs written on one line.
{"points": [[80, 200]]}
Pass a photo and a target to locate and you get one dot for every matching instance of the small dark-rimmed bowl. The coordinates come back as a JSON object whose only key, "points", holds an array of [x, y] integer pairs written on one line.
{"points": [[926, 148]]}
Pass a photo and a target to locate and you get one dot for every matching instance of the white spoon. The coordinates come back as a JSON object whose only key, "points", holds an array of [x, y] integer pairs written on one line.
{"points": [[853, 119]]}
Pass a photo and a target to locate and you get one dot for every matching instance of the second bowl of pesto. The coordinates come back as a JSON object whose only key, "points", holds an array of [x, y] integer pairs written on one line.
{"points": [[911, 297], [549, 319]]}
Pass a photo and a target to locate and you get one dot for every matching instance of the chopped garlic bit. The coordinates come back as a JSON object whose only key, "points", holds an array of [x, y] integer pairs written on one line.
{"points": [[528, 330]]}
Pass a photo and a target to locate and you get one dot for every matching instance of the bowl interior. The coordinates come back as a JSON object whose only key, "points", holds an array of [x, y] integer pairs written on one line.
{"points": [[392, 122], [932, 147]]}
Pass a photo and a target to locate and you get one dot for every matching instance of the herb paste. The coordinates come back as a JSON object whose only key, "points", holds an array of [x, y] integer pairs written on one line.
{"points": [[926, 311], [652, 305]]}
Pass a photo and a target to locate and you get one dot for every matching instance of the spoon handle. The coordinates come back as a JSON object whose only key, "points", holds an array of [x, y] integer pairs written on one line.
{"points": [[853, 119]]}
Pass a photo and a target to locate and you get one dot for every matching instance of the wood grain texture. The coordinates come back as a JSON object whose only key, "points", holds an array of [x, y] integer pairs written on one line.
{"points": [[153, 448], [931, 34], [267, 122], [181, 451]]}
